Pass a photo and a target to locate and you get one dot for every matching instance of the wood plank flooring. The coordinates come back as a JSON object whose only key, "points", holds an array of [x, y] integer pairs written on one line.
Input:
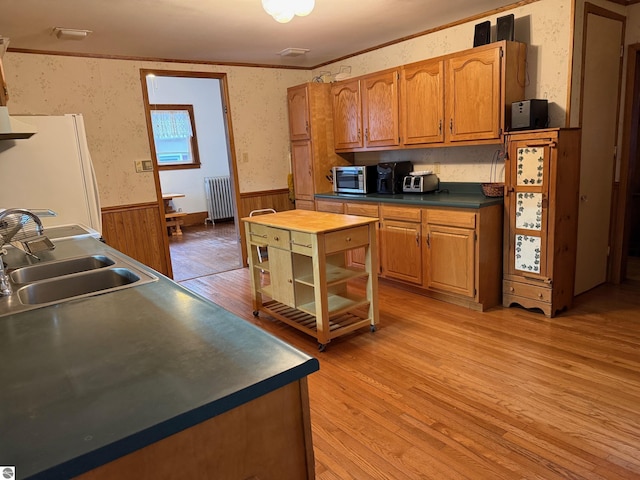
{"points": [[443, 392], [204, 250]]}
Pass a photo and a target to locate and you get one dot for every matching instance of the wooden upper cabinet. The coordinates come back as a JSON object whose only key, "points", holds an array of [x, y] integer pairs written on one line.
{"points": [[380, 109], [302, 166], [299, 119], [347, 115], [422, 102], [473, 95]]}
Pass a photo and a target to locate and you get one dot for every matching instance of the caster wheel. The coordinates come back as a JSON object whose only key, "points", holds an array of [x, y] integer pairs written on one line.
{"points": [[372, 328], [322, 347], [256, 313]]}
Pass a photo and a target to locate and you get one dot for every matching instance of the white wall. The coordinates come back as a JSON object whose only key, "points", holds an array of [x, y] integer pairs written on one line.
{"points": [[204, 94]]}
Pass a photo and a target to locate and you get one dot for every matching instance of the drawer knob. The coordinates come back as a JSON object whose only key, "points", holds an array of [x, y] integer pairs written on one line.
{"points": [[511, 289], [539, 295], [290, 281], [276, 238], [348, 239]]}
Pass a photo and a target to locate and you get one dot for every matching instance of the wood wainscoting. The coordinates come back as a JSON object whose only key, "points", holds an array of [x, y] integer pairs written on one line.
{"points": [[276, 199], [136, 231]]}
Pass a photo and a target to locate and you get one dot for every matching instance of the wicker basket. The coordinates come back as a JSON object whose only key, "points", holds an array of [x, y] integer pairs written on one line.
{"points": [[493, 189]]}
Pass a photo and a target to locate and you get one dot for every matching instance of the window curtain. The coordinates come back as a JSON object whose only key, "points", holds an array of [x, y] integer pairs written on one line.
{"points": [[171, 124]]}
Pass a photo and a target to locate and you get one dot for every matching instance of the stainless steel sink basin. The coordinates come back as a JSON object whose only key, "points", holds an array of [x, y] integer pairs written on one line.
{"points": [[72, 286], [58, 281], [33, 273]]}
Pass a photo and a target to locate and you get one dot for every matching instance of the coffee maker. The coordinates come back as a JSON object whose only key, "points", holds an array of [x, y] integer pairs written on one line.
{"points": [[391, 176]]}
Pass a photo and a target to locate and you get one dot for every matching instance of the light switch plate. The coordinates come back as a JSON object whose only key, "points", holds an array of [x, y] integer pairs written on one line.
{"points": [[143, 166]]}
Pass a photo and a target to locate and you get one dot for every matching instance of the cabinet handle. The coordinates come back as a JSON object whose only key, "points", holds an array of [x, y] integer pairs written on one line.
{"points": [[510, 189], [428, 240], [348, 239], [306, 126], [366, 134], [276, 238], [358, 134], [417, 239], [290, 281], [545, 201], [300, 244], [257, 235], [451, 125], [541, 144], [440, 127]]}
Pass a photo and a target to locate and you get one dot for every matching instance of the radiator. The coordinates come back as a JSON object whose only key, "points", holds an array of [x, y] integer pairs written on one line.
{"points": [[219, 198]]}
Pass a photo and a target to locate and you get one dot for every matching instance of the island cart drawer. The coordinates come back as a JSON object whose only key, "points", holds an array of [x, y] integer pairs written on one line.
{"points": [[362, 209], [533, 292], [302, 243], [391, 212], [451, 218], [346, 239], [273, 237]]}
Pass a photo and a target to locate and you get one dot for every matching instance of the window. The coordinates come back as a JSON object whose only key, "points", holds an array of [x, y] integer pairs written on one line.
{"points": [[174, 136]]}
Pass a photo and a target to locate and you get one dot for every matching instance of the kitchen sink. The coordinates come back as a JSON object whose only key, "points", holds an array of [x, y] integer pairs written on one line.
{"points": [[33, 273], [58, 281], [72, 286]]}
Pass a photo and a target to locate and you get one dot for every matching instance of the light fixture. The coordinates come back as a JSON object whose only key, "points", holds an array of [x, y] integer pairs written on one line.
{"points": [[284, 10], [70, 33], [293, 52]]}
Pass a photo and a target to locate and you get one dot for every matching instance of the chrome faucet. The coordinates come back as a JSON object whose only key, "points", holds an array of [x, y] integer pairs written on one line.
{"points": [[5, 286]]}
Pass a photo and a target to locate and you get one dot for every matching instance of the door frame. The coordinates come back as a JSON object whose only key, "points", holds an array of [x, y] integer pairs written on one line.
{"points": [[628, 163], [590, 8], [233, 168]]}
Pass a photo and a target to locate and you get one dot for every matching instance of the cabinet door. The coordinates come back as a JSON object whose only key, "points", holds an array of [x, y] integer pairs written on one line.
{"points": [[473, 102], [401, 252], [450, 259], [301, 158], [422, 103], [347, 115], [380, 109], [527, 208], [281, 276], [298, 101]]}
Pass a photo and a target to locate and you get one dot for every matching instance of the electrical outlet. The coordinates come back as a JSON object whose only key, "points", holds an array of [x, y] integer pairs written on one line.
{"points": [[436, 167]]}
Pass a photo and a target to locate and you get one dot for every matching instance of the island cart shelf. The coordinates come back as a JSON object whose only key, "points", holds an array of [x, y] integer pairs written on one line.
{"points": [[304, 273]]}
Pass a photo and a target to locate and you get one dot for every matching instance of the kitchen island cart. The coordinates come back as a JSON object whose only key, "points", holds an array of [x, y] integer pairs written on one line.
{"points": [[304, 280]]}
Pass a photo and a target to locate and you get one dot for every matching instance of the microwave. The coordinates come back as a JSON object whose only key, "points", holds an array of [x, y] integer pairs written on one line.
{"points": [[355, 179]]}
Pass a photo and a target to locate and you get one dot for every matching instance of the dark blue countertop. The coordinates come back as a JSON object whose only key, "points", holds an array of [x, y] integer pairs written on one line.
{"points": [[90, 380], [460, 195]]}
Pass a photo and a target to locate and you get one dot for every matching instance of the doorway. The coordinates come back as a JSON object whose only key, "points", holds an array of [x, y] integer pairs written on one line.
{"points": [[190, 140], [600, 100]]}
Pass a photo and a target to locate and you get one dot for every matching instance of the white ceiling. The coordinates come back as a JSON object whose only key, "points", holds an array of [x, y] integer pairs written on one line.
{"points": [[232, 31]]}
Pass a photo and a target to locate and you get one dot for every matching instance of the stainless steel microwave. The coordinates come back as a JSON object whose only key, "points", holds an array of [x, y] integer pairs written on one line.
{"points": [[355, 179]]}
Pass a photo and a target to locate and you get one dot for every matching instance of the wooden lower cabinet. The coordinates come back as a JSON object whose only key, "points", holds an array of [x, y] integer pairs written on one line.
{"points": [[266, 438], [450, 259], [400, 246], [453, 254]]}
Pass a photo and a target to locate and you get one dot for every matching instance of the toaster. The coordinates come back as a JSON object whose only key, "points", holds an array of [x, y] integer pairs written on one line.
{"points": [[420, 183]]}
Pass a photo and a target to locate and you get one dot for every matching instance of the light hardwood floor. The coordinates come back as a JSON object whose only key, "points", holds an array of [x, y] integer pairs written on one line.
{"points": [[204, 250], [442, 392]]}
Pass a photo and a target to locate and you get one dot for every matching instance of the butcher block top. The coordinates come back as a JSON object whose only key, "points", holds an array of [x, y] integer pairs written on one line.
{"points": [[310, 221]]}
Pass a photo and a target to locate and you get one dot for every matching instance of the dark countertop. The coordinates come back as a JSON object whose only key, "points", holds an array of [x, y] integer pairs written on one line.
{"points": [[90, 380], [460, 195]]}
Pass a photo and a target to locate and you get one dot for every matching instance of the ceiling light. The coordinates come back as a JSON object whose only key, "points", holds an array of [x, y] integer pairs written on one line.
{"points": [[70, 33], [284, 10], [293, 52]]}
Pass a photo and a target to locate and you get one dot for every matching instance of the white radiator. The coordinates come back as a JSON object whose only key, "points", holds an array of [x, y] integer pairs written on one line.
{"points": [[219, 198]]}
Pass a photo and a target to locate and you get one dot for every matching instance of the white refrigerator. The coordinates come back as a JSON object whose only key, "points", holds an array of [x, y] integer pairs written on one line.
{"points": [[51, 170]]}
